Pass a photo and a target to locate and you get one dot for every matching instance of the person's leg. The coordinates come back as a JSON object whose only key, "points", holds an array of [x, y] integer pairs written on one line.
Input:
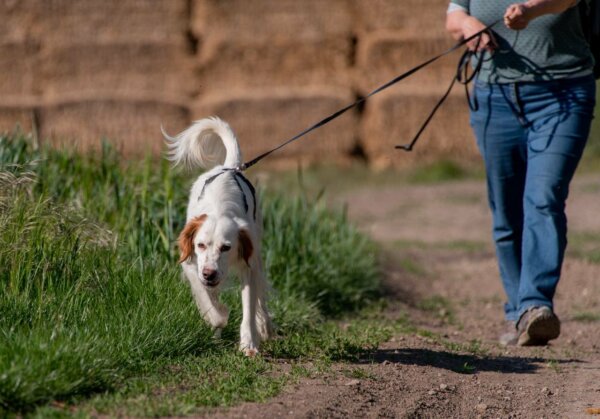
{"points": [[560, 118], [501, 139]]}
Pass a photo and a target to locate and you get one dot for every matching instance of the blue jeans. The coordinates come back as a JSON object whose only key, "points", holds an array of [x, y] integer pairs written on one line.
{"points": [[531, 137]]}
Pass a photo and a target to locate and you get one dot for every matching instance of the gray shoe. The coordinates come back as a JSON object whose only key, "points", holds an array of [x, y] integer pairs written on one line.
{"points": [[510, 336], [537, 326]]}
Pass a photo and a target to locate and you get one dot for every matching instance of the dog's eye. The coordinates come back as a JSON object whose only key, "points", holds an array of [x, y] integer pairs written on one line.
{"points": [[201, 246], [225, 248]]}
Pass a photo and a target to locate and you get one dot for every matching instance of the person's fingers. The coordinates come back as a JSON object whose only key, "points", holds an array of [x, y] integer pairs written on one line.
{"points": [[512, 12], [514, 17], [484, 42]]}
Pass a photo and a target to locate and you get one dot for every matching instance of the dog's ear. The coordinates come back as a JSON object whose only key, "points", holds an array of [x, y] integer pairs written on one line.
{"points": [[186, 237], [245, 245]]}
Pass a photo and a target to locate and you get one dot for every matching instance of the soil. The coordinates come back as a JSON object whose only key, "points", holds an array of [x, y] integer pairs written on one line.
{"points": [[437, 249]]}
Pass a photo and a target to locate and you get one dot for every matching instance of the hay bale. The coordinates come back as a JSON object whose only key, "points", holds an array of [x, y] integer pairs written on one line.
{"points": [[162, 69], [132, 126], [395, 117], [284, 63], [18, 63], [383, 55], [264, 119], [18, 19], [14, 117], [261, 21], [60, 22], [424, 17]]}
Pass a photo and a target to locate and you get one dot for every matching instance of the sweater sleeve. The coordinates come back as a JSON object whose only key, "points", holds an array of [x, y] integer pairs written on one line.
{"points": [[458, 5]]}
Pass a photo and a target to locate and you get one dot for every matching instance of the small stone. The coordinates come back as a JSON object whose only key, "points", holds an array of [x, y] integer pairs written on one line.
{"points": [[386, 362], [481, 407], [443, 386], [353, 383], [431, 392]]}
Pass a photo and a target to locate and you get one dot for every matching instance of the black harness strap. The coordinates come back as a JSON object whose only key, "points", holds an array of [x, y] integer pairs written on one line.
{"points": [[237, 176], [208, 182], [237, 182]]}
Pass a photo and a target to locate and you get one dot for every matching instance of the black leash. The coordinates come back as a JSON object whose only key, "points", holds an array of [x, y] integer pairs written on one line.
{"points": [[410, 72], [463, 77]]}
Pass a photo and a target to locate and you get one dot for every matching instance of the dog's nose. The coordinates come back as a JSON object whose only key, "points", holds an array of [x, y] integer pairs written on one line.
{"points": [[210, 275]]}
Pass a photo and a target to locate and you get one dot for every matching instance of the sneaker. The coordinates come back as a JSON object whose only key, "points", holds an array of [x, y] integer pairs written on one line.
{"points": [[537, 326], [510, 336]]}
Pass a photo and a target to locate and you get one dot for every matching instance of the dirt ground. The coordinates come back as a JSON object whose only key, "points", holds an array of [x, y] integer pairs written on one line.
{"points": [[440, 269]]}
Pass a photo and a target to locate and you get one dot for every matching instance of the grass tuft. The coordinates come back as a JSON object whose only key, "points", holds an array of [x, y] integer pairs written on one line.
{"points": [[92, 309]]}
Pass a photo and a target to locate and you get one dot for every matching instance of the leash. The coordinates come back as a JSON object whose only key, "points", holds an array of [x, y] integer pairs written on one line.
{"points": [[462, 63], [463, 77]]}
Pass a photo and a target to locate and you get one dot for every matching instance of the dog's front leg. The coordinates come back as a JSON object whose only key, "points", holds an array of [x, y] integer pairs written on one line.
{"points": [[248, 335], [213, 312]]}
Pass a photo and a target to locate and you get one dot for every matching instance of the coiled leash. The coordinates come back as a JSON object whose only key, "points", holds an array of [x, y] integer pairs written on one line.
{"points": [[461, 76]]}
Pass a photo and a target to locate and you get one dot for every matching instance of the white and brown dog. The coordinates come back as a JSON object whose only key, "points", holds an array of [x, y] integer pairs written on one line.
{"points": [[223, 230]]}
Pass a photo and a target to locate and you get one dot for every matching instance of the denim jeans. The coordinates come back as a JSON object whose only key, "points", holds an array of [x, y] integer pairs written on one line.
{"points": [[531, 137]]}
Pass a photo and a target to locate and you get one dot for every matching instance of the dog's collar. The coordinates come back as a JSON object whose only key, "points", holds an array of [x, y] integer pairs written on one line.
{"points": [[237, 176]]}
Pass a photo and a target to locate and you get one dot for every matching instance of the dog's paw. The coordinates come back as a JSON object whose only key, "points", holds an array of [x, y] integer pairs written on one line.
{"points": [[249, 348], [250, 352]]}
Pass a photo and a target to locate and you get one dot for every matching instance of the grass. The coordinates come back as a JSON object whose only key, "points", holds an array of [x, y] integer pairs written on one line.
{"points": [[315, 179], [585, 245], [441, 307], [94, 318], [586, 316], [463, 246]]}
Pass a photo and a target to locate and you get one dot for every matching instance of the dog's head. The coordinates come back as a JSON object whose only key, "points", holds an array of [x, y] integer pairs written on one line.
{"points": [[213, 243]]}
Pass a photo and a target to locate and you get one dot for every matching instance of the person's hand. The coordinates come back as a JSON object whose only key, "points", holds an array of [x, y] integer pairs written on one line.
{"points": [[486, 41], [517, 16]]}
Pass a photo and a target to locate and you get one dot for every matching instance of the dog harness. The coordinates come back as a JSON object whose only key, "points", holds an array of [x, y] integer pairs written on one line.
{"points": [[237, 176]]}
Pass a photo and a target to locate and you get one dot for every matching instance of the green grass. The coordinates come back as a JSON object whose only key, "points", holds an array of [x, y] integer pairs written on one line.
{"points": [[591, 156], [463, 246], [585, 245], [315, 179], [439, 306], [94, 318], [441, 171], [586, 316]]}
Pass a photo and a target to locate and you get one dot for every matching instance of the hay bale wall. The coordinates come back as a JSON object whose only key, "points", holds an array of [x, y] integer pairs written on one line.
{"points": [[76, 72]]}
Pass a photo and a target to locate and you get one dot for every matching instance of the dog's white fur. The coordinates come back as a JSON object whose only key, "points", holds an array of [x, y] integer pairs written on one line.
{"points": [[220, 232]]}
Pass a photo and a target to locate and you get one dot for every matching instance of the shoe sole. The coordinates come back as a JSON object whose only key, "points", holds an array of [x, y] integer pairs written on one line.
{"points": [[543, 327]]}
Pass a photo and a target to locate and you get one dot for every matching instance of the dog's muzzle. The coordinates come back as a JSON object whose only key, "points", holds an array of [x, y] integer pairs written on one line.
{"points": [[210, 277]]}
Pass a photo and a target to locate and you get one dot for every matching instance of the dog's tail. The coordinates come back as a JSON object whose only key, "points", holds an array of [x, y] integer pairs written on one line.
{"points": [[207, 143]]}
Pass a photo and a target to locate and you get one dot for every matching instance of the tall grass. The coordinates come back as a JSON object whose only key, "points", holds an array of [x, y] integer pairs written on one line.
{"points": [[90, 292]]}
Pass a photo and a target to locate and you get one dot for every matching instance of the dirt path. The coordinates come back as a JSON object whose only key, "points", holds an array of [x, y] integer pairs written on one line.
{"points": [[440, 269]]}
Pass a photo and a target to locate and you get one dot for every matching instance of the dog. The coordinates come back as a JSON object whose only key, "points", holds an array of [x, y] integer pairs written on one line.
{"points": [[223, 230]]}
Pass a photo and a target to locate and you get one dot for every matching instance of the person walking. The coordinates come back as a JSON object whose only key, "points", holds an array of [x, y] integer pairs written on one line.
{"points": [[533, 103]]}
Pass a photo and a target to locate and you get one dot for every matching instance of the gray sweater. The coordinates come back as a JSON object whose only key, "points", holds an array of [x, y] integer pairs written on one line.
{"points": [[551, 47]]}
